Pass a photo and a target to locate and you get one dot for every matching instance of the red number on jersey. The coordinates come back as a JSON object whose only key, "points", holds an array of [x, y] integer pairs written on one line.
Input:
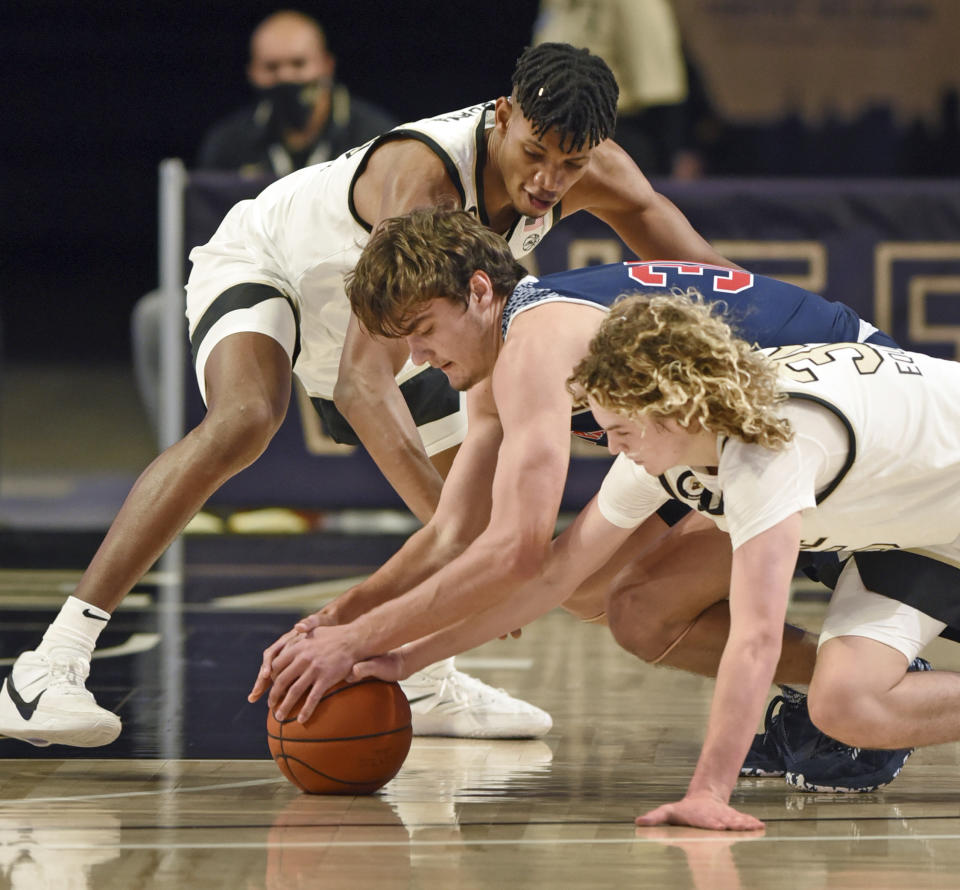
{"points": [[732, 281]]}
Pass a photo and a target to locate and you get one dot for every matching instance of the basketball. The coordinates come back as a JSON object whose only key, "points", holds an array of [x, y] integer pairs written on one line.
{"points": [[354, 742]]}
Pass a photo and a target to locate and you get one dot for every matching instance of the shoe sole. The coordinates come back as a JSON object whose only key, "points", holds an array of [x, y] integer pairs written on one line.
{"points": [[492, 734], [37, 743], [797, 780], [444, 726], [754, 772], [91, 738]]}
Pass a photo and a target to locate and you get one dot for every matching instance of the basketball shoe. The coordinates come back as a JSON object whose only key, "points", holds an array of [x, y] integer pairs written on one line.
{"points": [[826, 765], [765, 757], [43, 701], [447, 702]]}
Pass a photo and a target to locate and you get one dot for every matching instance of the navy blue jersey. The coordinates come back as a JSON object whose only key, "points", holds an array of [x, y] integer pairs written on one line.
{"points": [[763, 311]]}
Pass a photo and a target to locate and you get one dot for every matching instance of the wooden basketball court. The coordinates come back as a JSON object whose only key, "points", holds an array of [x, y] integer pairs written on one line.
{"points": [[188, 798]]}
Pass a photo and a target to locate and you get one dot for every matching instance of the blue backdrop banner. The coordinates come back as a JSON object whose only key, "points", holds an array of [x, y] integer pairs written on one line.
{"points": [[889, 249]]}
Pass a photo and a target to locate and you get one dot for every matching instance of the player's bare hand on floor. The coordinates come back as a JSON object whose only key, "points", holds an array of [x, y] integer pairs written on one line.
{"points": [[701, 811]]}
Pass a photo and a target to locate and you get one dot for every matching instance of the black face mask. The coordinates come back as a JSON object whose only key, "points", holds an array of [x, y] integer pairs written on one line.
{"points": [[289, 105]]}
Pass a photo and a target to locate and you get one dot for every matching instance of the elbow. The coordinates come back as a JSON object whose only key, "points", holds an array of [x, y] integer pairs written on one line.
{"points": [[346, 394], [761, 650], [524, 561]]}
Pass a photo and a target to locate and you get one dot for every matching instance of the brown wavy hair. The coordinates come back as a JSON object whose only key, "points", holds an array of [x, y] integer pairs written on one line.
{"points": [[412, 259], [673, 356]]}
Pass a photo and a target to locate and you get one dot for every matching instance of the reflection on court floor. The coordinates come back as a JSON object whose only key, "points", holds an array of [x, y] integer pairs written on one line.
{"points": [[188, 797]]}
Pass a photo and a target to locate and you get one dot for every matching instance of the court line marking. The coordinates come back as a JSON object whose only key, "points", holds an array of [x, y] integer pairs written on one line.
{"points": [[312, 592], [30, 801], [482, 842]]}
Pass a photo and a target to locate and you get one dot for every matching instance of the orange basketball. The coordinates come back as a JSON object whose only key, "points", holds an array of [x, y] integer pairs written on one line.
{"points": [[354, 742]]}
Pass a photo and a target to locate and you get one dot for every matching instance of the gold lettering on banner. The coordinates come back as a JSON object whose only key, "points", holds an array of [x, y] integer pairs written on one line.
{"points": [[593, 252], [813, 253], [919, 329], [315, 439], [919, 288]]}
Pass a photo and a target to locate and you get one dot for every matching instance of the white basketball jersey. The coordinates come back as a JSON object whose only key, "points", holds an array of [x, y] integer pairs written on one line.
{"points": [[302, 235], [899, 486], [902, 486]]}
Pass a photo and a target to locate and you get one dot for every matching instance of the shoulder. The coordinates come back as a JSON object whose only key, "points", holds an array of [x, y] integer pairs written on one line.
{"points": [[612, 181], [404, 156], [402, 174], [546, 340]]}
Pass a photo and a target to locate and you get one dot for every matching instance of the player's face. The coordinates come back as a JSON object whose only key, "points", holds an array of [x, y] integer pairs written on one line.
{"points": [[656, 445], [536, 172], [463, 343]]}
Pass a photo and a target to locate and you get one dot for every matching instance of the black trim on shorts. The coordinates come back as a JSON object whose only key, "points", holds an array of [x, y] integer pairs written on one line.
{"points": [[428, 395], [673, 511], [930, 586], [240, 296]]}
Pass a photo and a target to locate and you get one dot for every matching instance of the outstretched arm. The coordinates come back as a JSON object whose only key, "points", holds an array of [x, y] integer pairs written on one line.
{"points": [[614, 190], [368, 396], [400, 177], [583, 548], [759, 593], [462, 514], [534, 410]]}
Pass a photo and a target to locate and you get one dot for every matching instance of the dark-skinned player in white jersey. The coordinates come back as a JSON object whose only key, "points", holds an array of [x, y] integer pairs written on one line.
{"points": [[265, 301]]}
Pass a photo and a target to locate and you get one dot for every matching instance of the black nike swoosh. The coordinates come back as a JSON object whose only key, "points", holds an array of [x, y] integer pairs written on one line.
{"points": [[26, 708], [88, 614], [410, 701]]}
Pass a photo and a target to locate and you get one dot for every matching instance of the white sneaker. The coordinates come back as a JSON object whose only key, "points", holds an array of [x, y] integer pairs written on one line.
{"points": [[447, 702], [43, 701]]}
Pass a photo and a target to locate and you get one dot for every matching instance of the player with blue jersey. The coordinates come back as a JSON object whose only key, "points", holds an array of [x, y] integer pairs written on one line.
{"points": [[760, 309], [451, 289]]}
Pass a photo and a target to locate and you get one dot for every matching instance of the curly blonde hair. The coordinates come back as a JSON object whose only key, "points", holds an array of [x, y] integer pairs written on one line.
{"points": [[671, 356]]}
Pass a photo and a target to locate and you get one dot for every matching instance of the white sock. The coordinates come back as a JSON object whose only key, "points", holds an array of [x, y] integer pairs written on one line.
{"points": [[76, 627]]}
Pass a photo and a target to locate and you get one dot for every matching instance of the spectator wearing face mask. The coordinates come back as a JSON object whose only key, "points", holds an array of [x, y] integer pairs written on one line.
{"points": [[301, 116]]}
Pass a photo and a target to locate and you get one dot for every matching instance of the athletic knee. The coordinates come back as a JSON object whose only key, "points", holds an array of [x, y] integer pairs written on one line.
{"points": [[237, 431], [844, 713], [638, 624]]}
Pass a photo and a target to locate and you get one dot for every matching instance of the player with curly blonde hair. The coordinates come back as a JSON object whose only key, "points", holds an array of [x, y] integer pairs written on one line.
{"points": [[441, 282], [673, 355], [836, 447]]}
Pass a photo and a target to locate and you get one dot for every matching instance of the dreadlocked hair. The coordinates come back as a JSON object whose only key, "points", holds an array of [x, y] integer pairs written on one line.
{"points": [[413, 259], [571, 90], [671, 355]]}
